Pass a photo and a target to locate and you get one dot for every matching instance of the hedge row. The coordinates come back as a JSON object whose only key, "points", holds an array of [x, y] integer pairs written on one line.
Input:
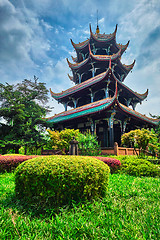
{"points": [[113, 163], [139, 167], [9, 162]]}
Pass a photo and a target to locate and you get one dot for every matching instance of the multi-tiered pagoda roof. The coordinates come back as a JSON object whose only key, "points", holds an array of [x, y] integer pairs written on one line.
{"points": [[99, 93]]}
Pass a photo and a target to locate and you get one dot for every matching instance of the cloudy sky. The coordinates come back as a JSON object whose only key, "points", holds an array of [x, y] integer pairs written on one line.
{"points": [[35, 40]]}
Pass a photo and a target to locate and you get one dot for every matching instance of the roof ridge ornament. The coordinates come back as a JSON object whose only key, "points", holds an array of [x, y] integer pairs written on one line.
{"points": [[115, 31], [97, 29]]}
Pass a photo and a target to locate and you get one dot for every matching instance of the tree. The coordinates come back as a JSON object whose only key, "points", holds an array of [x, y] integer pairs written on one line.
{"points": [[141, 138], [157, 129], [22, 108]]}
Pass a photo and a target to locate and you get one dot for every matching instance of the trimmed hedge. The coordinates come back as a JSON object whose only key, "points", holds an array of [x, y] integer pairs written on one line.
{"points": [[9, 162], [139, 167], [57, 180], [113, 163]]}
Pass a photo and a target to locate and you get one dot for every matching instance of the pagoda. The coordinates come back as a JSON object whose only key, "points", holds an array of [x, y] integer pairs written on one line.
{"points": [[101, 102]]}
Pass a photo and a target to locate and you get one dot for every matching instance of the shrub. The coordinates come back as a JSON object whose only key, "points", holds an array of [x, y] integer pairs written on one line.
{"points": [[139, 167], [10, 162], [113, 163], [61, 140], [88, 144], [57, 180], [141, 139]]}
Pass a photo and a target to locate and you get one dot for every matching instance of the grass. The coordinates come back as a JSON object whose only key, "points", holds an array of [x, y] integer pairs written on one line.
{"points": [[129, 211]]}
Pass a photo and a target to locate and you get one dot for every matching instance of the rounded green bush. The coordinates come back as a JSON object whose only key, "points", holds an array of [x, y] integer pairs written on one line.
{"points": [[139, 167], [60, 179]]}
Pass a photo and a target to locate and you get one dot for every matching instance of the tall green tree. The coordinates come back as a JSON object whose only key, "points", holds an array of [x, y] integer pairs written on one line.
{"points": [[22, 109]]}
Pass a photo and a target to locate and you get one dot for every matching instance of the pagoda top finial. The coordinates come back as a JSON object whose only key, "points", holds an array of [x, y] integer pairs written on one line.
{"points": [[97, 29]]}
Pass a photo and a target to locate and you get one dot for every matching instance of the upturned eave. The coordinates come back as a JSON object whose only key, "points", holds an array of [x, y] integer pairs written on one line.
{"points": [[140, 96], [100, 106], [103, 37], [79, 87]]}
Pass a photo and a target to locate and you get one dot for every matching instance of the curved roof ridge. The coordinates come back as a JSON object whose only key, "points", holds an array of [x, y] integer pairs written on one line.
{"points": [[105, 57], [139, 115], [129, 67], [76, 65], [103, 37], [74, 59], [141, 96], [79, 86], [83, 110], [123, 47], [70, 77], [80, 44]]}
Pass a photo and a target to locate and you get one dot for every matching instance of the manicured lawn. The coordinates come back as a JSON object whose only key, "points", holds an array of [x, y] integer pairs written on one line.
{"points": [[129, 211]]}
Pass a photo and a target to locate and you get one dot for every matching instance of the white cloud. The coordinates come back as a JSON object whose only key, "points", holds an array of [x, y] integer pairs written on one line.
{"points": [[101, 20], [141, 20], [46, 25]]}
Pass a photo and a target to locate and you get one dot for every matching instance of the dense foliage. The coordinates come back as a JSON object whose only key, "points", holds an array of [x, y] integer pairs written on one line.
{"points": [[61, 139], [141, 139], [9, 162], [87, 143], [22, 107], [113, 163], [57, 180], [139, 167]]}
